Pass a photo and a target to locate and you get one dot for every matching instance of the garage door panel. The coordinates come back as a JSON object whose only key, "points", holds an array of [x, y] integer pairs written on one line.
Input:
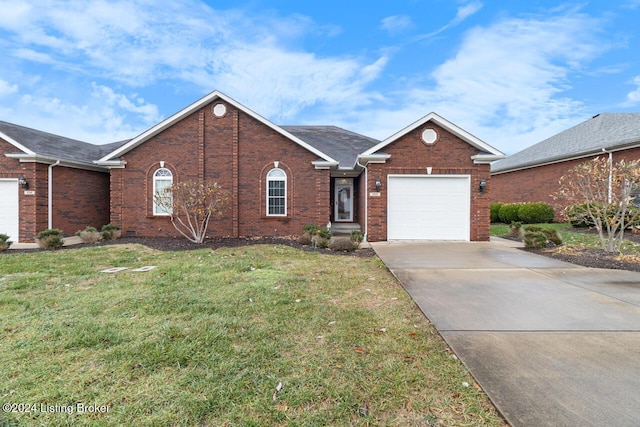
{"points": [[9, 222], [428, 208]]}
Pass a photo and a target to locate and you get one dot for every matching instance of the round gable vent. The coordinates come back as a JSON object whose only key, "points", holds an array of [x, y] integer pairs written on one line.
{"points": [[219, 110], [429, 136]]}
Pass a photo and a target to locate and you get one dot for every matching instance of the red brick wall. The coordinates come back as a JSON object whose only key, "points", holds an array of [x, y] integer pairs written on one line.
{"points": [[448, 156], [540, 184], [13, 169], [236, 151], [80, 199]]}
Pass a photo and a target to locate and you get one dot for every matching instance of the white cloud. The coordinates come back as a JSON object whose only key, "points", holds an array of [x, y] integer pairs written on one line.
{"points": [[14, 14], [505, 84], [462, 14], [633, 97], [514, 73], [103, 115], [185, 45], [396, 24], [505, 79], [280, 83], [7, 88], [466, 11]]}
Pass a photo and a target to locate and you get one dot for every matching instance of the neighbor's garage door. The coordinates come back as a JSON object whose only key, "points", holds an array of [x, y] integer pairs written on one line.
{"points": [[428, 207], [9, 208]]}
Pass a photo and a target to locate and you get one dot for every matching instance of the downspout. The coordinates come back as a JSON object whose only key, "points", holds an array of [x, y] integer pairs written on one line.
{"points": [[366, 198], [610, 172], [50, 193]]}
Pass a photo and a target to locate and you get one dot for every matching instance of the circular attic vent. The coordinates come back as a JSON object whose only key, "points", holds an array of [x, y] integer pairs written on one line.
{"points": [[219, 110], [429, 136]]}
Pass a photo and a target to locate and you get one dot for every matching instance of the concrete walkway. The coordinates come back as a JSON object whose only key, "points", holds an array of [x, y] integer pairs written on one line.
{"points": [[551, 343], [68, 241]]}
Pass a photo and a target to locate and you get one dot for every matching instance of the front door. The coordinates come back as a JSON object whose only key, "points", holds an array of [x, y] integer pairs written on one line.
{"points": [[344, 200]]}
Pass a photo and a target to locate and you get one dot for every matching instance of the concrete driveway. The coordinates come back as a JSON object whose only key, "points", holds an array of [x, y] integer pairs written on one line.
{"points": [[551, 343]]}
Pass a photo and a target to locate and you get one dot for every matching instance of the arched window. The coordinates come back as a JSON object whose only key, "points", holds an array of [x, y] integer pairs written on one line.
{"points": [[162, 181], [276, 193]]}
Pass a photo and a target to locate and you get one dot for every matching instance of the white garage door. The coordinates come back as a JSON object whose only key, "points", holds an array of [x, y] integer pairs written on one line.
{"points": [[428, 207], [9, 208]]}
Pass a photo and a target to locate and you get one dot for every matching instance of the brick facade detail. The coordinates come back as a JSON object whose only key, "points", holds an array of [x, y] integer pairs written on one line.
{"points": [[236, 151], [80, 197], [450, 155]]}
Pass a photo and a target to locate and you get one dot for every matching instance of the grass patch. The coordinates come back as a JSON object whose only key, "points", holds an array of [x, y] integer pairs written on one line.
{"points": [[205, 338]]}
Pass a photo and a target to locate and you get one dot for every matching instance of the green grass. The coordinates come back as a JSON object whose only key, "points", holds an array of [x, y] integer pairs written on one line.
{"points": [[571, 236], [204, 339]]}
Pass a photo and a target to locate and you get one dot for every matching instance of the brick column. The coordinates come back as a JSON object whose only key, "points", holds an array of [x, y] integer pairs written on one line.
{"points": [[235, 178]]}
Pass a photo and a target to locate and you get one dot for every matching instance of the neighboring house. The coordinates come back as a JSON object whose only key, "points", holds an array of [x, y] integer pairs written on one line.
{"points": [[532, 174], [422, 183], [48, 181], [429, 181]]}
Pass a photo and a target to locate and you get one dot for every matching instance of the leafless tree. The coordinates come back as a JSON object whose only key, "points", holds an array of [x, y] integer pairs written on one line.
{"points": [[191, 205], [604, 190]]}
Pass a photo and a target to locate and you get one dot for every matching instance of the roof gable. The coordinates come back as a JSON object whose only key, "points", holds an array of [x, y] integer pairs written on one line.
{"points": [[608, 131], [486, 153], [111, 158]]}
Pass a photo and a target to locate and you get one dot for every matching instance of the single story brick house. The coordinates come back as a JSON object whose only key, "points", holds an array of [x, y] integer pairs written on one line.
{"points": [[428, 181], [50, 181], [532, 175]]}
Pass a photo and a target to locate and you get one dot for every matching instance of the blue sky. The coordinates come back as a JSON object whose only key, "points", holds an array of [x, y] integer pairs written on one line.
{"points": [[511, 73]]}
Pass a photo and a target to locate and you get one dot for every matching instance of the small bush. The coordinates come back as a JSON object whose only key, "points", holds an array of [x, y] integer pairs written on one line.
{"points": [[357, 237], [515, 229], [5, 243], [577, 215], [324, 233], [508, 213], [534, 229], [535, 240], [535, 213], [532, 236], [553, 236], [343, 244], [304, 239], [321, 238], [50, 239], [311, 229], [111, 232], [494, 211], [89, 235]]}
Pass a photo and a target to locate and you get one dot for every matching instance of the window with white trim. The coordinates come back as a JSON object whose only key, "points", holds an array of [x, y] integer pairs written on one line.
{"points": [[162, 180], [276, 192]]}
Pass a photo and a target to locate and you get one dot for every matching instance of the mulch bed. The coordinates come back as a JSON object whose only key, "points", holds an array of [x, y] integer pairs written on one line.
{"points": [[182, 244], [595, 258]]}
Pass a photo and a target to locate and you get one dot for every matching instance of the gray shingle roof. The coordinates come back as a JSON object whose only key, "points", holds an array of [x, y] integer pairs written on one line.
{"points": [[611, 131], [338, 143], [54, 146]]}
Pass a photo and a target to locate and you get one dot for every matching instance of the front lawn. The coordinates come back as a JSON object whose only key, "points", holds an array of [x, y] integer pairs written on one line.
{"points": [[251, 336]]}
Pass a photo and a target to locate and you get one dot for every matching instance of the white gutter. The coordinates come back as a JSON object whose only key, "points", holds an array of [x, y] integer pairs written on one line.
{"points": [[50, 193]]}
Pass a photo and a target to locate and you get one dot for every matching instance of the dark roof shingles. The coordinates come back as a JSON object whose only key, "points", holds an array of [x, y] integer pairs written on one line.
{"points": [[340, 144], [609, 131], [55, 146]]}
